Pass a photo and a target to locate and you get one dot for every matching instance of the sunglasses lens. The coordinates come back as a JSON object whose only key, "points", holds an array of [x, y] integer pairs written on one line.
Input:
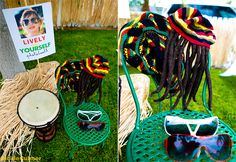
{"points": [[177, 129], [96, 117], [181, 148], [82, 125], [207, 129], [26, 22], [81, 116], [89, 126], [219, 147], [100, 126], [34, 20]]}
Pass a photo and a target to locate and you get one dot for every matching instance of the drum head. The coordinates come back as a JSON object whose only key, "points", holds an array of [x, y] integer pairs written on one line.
{"points": [[38, 108]]}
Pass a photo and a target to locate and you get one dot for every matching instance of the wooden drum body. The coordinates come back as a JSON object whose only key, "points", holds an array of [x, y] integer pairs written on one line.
{"points": [[39, 109]]}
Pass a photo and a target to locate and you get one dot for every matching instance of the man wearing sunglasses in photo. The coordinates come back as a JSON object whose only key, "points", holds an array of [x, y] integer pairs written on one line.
{"points": [[31, 23]]}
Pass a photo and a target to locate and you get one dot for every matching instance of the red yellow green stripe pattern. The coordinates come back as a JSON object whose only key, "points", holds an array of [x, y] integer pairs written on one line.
{"points": [[190, 24], [142, 44], [96, 65]]}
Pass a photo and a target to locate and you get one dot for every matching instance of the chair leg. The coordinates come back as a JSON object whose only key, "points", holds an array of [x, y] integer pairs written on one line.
{"points": [[72, 151], [102, 145]]}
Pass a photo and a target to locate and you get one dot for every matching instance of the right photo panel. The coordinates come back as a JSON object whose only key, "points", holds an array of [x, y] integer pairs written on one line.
{"points": [[177, 68]]}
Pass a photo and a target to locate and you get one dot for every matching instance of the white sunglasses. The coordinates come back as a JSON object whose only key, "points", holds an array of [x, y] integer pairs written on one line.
{"points": [[203, 127], [89, 115]]}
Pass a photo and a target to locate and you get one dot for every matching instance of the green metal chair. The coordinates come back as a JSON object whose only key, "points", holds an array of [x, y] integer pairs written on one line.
{"points": [[146, 142], [77, 136]]}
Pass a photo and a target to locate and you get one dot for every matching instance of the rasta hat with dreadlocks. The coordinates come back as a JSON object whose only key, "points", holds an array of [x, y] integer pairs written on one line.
{"points": [[93, 71], [187, 48], [142, 43], [173, 51], [83, 77]]}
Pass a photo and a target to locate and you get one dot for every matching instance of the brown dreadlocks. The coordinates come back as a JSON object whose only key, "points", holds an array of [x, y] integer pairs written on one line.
{"points": [[83, 77], [186, 56], [87, 85], [194, 59]]}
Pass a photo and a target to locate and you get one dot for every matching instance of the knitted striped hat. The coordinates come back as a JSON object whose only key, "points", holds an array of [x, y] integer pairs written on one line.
{"points": [[64, 77], [190, 24], [96, 65], [142, 42]]}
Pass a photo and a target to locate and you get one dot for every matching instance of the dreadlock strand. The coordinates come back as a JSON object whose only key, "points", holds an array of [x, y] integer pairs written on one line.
{"points": [[179, 73], [94, 84], [174, 87], [85, 82], [93, 87], [100, 90], [187, 67], [186, 74], [176, 58], [164, 67], [175, 51], [170, 61], [194, 74], [80, 86], [90, 90], [188, 79], [199, 75], [87, 85], [193, 55]]}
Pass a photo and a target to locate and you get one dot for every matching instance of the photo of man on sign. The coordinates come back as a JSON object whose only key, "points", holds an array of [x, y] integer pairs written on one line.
{"points": [[30, 22]]}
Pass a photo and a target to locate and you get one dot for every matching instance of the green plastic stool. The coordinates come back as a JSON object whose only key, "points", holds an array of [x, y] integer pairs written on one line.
{"points": [[77, 136], [146, 142]]}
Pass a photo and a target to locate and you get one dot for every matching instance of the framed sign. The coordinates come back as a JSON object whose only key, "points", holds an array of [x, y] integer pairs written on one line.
{"points": [[31, 29]]}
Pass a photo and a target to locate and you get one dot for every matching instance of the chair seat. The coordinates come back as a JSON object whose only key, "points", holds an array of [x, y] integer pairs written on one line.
{"points": [[90, 137], [147, 142]]}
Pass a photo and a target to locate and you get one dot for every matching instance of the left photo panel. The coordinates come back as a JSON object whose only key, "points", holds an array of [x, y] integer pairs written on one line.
{"points": [[58, 75]]}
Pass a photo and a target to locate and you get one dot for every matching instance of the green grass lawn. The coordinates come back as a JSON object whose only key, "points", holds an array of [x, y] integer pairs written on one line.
{"points": [[79, 44], [224, 99]]}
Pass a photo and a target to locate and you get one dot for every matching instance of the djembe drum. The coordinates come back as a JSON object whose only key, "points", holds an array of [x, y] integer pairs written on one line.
{"points": [[39, 109]]}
